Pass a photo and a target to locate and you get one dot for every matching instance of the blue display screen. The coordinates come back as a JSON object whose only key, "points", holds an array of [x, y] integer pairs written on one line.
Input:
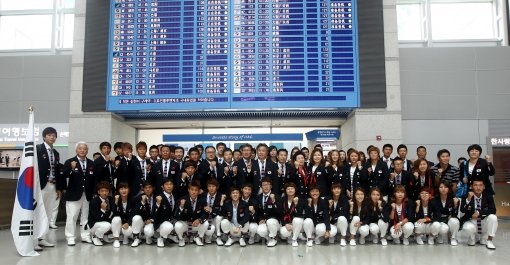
{"points": [[232, 54]]}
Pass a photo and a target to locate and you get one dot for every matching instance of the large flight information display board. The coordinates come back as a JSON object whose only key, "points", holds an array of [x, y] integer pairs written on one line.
{"points": [[232, 54]]}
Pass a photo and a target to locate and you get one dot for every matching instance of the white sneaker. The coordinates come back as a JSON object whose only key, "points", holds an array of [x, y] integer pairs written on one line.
{"points": [[86, 240], [483, 241], [125, 240], [375, 239], [309, 243], [161, 242], [295, 243], [490, 245], [419, 240], [431, 240], [454, 242], [53, 226], [471, 242], [242, 243], [219, 242], [384, 242], [272, 242], [97, 241], [198, 241], [208, 240], [136, 242], [343, 243], [317, 241], [174, 239], [71, 242], [38, 248], [182, 242], [352, 242], [251, 241], [116, 243], [229, 242], [406, 241], [362, 241], [44, 243]]}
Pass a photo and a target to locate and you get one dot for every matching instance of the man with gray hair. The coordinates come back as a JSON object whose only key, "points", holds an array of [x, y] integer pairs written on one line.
{"points": [[79, 192]]}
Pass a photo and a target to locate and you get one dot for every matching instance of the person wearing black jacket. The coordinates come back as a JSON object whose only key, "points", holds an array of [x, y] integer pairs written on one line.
{"points": [[140, 168], [319, 172], [122, 213], [122, 166], [236, 218], [292, 215], [164, 218], [79, 192], [335, 166], [187, 176], [399, 177], [269, 213], [245, 169], [100, 213], [252, 203], [191, 214], [212, 211], [50, 172], [284, 170], [354, 175], [379, 216], [478, 168], [377, 170], [339, 212], [163, 169], [445, 214], [422, 177], [479, 220], [144, 208], [317, 223], [103, 165], [424, 214], [402, 216], [358, 211]]}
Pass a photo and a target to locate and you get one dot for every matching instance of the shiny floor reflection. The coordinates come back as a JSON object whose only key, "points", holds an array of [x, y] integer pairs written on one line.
{"points": [[282, 254]]}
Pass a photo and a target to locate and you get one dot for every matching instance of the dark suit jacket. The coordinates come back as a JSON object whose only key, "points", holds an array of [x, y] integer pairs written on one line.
{"points": [[379, 176], [321, 215], [123, 173], [321, 176], [95, 213], [137, 177], [187, 214], [360, 179], [165, 211], [104, 170], [252, 201], [205, 173], [79, 182], [376, 214], [341, 209], [407, 212], [271, 171], [443, 213], [243, 214], [43, 163], [295, 210], [216, 205], [144, 210], [125, 214], [284, 178], [243, 176], [468, 208], [272, 209], [404, 181], [482, 170]]}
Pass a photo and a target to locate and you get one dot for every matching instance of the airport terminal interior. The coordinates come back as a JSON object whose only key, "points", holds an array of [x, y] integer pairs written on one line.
{"points": [[341, 75]]}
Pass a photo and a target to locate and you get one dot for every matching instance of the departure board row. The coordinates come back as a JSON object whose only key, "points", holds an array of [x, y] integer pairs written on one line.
{"points": [[232, 54]]}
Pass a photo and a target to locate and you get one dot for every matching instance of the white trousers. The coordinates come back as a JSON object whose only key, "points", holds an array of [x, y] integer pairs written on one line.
{"points": [[181, 227], [138, 224], [489, 227], [268, 229], [440, 228], [363, 230], [342, 225], [297, 227], [406, 229], [165, 229], [228, 228], [117, 228], [381, 227], [100, 228], [73, 209], [318, 230], [51, 202], [422, 228]]}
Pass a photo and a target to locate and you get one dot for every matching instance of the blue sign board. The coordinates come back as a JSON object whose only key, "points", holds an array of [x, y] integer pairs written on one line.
{"points": [[232, 54], [232, 137], [323, 135]]}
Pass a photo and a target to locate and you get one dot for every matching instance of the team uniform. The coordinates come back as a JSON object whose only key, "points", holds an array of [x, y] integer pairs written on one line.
{"points": [[100, 219], [317, 222], [122, 214]]}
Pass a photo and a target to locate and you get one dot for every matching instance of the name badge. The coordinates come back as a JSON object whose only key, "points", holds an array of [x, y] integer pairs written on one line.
{"points": [[172, 172], [269, 172], [479, 170], [380, 171], [319, 173], [270, 206]]}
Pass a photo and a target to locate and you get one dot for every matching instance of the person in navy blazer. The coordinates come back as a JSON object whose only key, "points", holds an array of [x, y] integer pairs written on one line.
{"points": [[378, 174], [236, 218], [229, 172], [80, 189], [479, 221], [191, 214], [101, 213], [317, 223], [335, 166], [213, 201], [319, 172], [354, 175], [163, 169], [166, 205], [293, 213], [103, 165], [245, 168], [399, 176], [478, 168], [49, 178], [284, 170], [122, 212], [140, 167], [339, 211], [269, 213], [123, 170], [211, 169], [248, 197], [143, 215]]}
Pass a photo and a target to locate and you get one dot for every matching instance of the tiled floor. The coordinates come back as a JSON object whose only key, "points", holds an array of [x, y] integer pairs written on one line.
{"points": [[282, 254]]}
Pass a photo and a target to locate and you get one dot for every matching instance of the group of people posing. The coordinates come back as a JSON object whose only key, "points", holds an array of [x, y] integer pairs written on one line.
{"points": [[257, 194]]}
